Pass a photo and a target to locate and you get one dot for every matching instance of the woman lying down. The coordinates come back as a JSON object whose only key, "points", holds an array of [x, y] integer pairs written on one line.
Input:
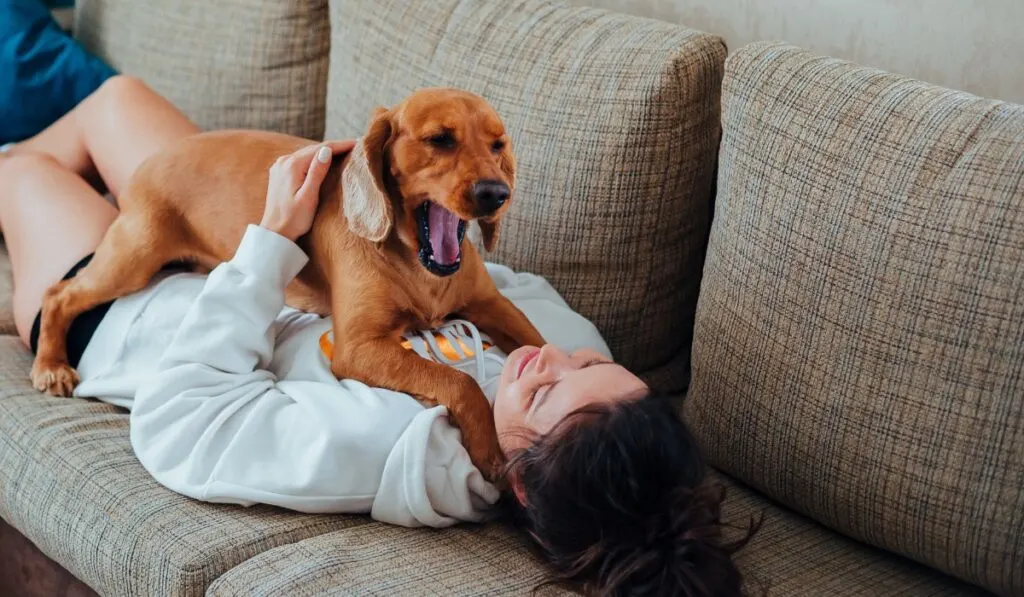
{"points": [[232, 398]]}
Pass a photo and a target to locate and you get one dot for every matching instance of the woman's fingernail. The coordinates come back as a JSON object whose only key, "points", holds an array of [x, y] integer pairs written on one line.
{"points": [[324, 155]]}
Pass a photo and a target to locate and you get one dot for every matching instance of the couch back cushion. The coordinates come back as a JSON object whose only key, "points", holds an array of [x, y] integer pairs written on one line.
{"points": [[614, 121], [226, 64], [859, 343]]}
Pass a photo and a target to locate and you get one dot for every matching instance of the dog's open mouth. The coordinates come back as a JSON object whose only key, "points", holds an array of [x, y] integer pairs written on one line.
{"points": [[441, 234]]}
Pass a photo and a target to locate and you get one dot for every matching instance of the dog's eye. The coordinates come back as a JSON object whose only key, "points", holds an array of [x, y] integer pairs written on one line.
{"points": [[444, 140], [497, 146]]}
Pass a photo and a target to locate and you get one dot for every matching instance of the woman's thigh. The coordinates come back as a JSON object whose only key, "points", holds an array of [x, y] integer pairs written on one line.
{"points": [[125, 124], [112, 131], [50, 218]]}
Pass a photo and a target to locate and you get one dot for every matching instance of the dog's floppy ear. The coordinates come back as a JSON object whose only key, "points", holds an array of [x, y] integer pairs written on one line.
{"points": [[490, 228], [365, 203]]}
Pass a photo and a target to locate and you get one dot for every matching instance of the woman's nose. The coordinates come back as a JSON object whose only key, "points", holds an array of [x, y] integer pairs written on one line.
{"points": [[552, 359]]}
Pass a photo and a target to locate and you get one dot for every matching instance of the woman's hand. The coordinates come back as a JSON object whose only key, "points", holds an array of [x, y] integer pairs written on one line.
{"points": [[294, 188]]}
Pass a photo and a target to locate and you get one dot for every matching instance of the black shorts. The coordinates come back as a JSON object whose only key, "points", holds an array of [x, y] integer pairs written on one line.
{"points": [[82, 328]]}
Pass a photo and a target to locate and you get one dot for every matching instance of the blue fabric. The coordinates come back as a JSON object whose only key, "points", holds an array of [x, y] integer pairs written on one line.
{"points": [[44, 73]]}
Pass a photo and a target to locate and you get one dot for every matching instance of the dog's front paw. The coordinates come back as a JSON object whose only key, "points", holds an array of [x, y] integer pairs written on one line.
{"points": [[488, 457], [56, 379]]}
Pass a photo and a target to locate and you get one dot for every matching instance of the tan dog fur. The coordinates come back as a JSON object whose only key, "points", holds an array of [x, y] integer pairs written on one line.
{"points": [[193, 200]]}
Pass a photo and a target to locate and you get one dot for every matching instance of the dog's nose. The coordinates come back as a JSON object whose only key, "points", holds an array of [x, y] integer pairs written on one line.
{"points": [[490, 195]]}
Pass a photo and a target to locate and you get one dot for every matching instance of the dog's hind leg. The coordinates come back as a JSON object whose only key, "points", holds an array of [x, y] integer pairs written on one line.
{"points": [[134, 249]]}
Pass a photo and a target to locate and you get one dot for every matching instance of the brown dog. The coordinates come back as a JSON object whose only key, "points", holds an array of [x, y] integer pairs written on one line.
{"points": [[386, 248]]}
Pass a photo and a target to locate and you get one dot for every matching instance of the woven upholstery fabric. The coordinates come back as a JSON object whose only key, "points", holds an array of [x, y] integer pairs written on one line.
{"points": [[614, 121], [790, 556], [859, 342], [6, 289], [70, 482], [793, 556], [385, 560], [226, 64]]}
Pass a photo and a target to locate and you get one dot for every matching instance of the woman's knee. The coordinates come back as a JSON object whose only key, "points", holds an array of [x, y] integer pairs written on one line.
{"points": [[123, 90], [19, 169]]}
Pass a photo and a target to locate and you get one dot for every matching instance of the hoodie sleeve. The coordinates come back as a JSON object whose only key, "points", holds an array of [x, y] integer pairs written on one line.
{"points": [[195, 423], [230, 326], [429, 479]]}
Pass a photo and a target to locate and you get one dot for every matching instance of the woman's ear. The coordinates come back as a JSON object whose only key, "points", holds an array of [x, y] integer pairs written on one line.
{"points": [[516, 487], [491, 228], [365, 202]]}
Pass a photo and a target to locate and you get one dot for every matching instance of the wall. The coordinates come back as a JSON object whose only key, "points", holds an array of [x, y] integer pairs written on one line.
{"points": [[972, 45]]}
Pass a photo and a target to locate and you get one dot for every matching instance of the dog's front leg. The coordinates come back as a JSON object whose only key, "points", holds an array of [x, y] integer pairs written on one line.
{"points": [[506, 325], [379, 360]]}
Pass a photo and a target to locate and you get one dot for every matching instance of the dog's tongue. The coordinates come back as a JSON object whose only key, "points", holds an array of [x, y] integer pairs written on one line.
{"points": [[444, 234]]}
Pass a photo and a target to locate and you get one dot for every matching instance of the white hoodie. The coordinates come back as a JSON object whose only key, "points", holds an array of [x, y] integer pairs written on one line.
{"points": [[232, 399]]}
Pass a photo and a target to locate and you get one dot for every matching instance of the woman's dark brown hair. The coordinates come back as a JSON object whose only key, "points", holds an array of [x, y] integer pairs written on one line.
{"points": [[617, 501]]}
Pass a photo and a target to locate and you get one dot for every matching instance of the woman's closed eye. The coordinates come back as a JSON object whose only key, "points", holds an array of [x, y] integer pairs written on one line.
{"points": [[548, 385], [533, 395]]}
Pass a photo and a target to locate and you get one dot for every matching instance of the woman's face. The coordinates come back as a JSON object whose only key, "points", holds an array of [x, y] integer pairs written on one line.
{"points": [[540, 386]]}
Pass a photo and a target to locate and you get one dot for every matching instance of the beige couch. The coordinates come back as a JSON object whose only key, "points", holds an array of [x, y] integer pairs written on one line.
{"points": [[972, 45], [850, 294]]}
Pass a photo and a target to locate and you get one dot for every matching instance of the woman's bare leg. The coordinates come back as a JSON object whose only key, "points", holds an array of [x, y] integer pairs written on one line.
{"points": [[49, 215], [111, 132], [51, 218]]}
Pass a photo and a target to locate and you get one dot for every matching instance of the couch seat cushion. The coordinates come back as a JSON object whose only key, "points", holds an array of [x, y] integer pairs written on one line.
{"points": [[227, 64], [790, 556], [794, 556], [614, 120], [859, 345], [380, 559], [70, 482]]}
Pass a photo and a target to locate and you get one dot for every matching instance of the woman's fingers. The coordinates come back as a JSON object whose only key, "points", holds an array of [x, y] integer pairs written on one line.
{"points": [[298, 162], [317, 169], [306, 154], [343, 146], [307, 167]]}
